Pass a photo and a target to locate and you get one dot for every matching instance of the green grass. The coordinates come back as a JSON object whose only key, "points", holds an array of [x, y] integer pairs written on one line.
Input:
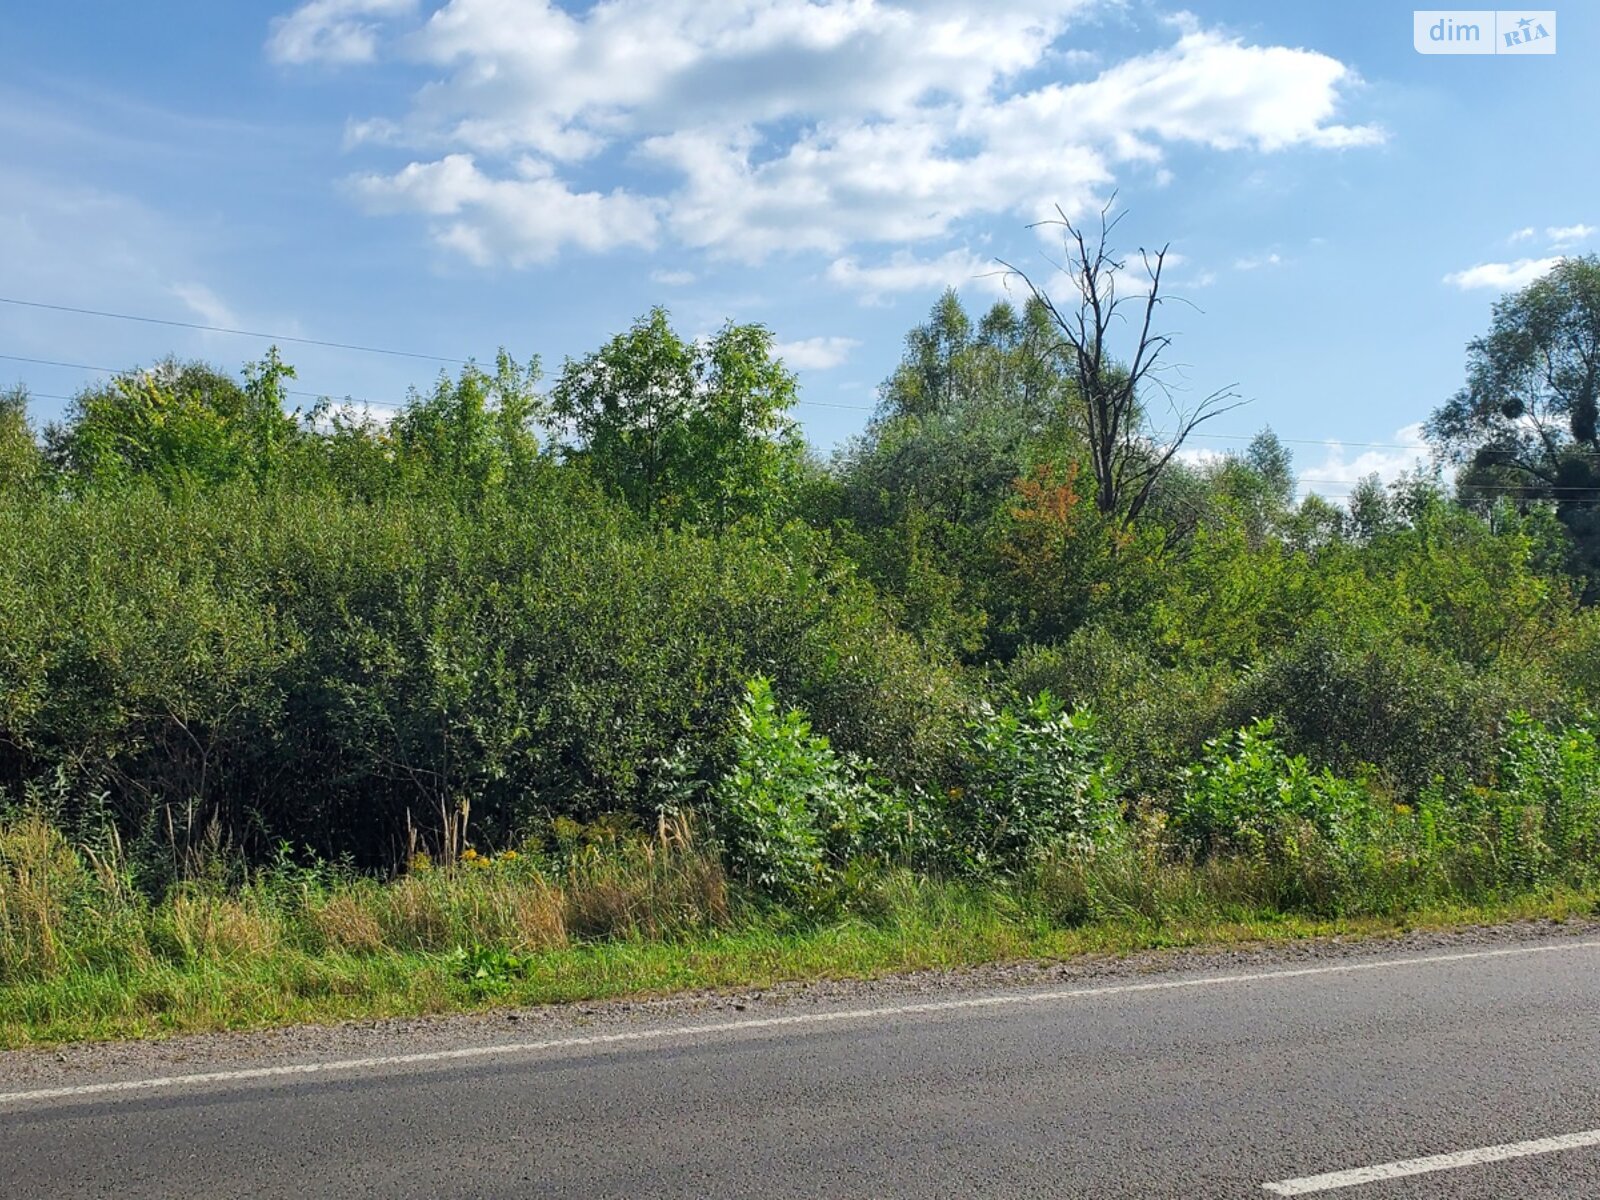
{"points": [[930, 926], [85, 954]]}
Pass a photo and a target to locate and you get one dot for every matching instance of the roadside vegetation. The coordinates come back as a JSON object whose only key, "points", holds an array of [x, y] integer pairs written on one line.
{"points": [[531, 692]]}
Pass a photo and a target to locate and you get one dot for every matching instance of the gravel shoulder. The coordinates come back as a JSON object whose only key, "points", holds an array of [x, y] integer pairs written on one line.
{"points": [[105, 1061]]}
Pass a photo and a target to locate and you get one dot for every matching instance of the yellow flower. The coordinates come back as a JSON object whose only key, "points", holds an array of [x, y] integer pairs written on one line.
{"points": [[469, 855]]}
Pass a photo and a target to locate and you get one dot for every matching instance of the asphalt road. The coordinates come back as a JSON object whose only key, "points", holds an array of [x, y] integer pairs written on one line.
{"points": [[1181, 1084]]}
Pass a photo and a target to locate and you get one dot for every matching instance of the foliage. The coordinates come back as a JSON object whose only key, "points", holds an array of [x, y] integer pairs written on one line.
{"points": [[683, 431], [179, 425], [1036, 781], [1527, 423], [1548, 781], [291, 664], [790, 811], [487, 971], [1248, 795]]}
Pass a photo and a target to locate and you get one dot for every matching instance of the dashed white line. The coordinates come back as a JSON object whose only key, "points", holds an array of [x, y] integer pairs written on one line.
{"points": [[1435, 1162], [798, 1020]]}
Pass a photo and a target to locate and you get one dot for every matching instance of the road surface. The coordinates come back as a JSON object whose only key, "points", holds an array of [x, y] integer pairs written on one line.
{"points": [[1470, 1071]]}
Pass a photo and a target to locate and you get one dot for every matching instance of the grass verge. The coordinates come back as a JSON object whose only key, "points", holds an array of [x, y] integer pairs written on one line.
{"points": [[924, 925]]}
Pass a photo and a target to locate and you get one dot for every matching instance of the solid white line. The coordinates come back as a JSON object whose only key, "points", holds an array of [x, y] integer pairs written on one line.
{"points": [[1436, 1162], [797, 1020]]}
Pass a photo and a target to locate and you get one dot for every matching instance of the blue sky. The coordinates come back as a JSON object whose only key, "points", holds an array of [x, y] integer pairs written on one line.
{"points": [[452, 178]]}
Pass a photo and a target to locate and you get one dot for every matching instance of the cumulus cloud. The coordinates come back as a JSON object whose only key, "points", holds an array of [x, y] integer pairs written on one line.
{"points": [[816, 354], [527, 218], [1340, 469], [333, 31], [905, 272], [1256, 262], [1522, 235], [1502, 276], [672, 278], [1568, 235], [776, 126]]}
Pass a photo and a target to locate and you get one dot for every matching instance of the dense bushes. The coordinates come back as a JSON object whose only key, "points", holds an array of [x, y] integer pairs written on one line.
{"points": [[224, 631], [294, 665], [1035, 781]]}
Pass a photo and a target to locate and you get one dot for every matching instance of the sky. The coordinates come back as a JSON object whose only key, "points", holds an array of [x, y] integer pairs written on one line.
{"points": [[446, 179]]}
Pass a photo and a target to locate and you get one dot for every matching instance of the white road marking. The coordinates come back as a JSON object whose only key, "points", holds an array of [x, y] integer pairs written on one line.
{"points": [[1435, 1162], [798, 1020]]}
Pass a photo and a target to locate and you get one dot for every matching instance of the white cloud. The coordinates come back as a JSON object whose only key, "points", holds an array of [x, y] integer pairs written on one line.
{"points": [[1256, 262], [206, 304], [1340, 470], [1562, 236], [672, 278], [526, 219], [1201, 456], [1522, 235], [1500, 275], [905, 272], [776, 126], [333, 31], [816, 354]]}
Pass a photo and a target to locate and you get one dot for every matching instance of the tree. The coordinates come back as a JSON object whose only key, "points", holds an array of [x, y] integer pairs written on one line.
{"points": [[20, 461], [179, 424], [685, 431], [1127, 460], [1525, 424], [963, 417], [473, 433]]}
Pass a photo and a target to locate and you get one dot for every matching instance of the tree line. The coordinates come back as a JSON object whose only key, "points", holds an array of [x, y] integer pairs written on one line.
{"points": [[515, 599]]}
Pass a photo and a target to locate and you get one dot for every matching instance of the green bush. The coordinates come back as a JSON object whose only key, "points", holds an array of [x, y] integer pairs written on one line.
{"points": [[291, 664], [1034, 781], [1248, 795], [790, 812], [1154, 718], [1544, 810], [1410, 712]]}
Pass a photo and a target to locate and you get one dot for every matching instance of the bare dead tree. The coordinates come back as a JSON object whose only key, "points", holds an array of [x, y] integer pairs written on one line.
{"points": [[1127, 458]]}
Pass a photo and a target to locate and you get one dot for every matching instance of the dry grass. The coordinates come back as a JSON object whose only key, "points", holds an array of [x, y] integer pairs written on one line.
{"points": [[197, 925], [39, 877], [345, 924]]}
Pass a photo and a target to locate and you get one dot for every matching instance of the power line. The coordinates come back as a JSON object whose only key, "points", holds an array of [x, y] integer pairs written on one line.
{"points": [[275, 337], [48, 362], [51, 362], [1231, 437]]}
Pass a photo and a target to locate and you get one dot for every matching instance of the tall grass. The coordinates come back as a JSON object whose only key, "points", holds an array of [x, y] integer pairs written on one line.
{"points": [[596, 911], [67, 909]]}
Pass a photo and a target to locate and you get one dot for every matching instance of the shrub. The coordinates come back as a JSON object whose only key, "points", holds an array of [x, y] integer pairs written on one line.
{"points": [[1544, 810], [1153, 718], [765, 807], [1248, 795], [1410, 712], [292, 664], [1035, 781]]}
